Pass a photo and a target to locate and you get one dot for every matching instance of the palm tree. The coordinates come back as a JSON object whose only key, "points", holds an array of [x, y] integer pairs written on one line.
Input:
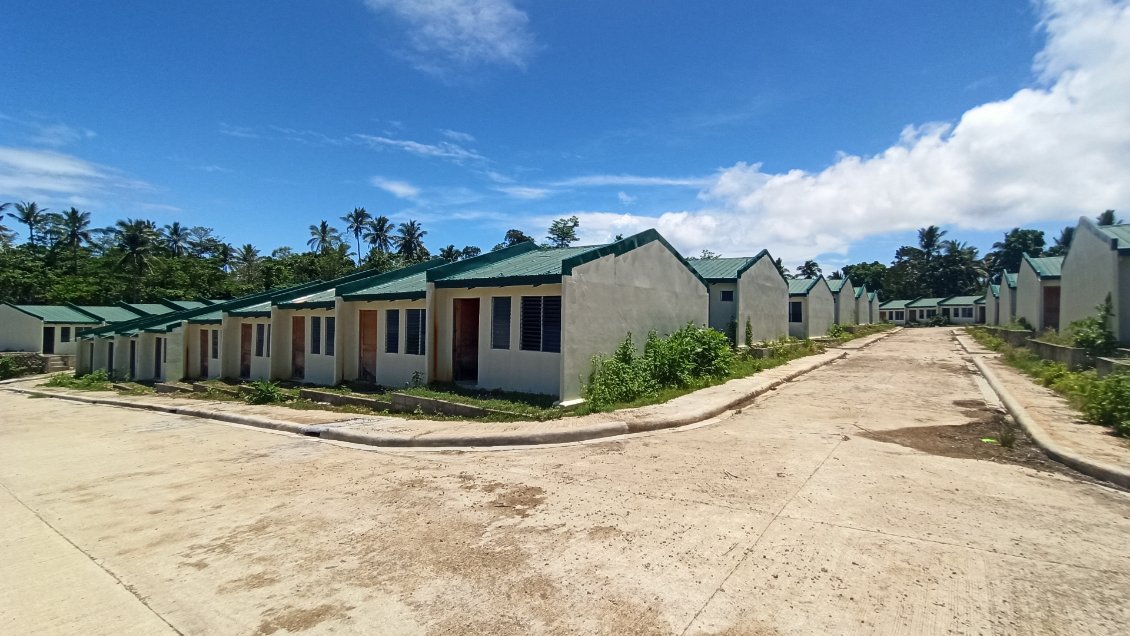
{"points": [[1062, 242], [323, 237], [378, 234], [248, 258], [136, 239], [31, 215], [409, 241], [451, 253], [176, 238], [74, 230], [1108, 218], [357, 222], [808, 270], [225, 254], [6, 235], [930, 240]]}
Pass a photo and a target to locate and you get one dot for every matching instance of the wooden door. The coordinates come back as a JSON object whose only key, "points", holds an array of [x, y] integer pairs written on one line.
{"points": [[48, 340], [465, 345], [367, 369], [205, 352], [1051, 308], [245, 351], [298, 346]]}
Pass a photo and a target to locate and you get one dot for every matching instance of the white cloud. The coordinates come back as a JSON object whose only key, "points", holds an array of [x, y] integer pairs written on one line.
{"points": [[29, 174], [57, 135], [447, 35], [600, 180], [443, 149], [625, 198], [525, 192], [400, 189], [1054, 150], [455, 135]]}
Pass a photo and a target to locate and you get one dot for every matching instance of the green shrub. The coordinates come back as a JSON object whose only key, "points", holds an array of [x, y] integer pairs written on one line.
{"points": [[938, 320], [837, 331], [623, 377], [264, 392], [1107, 402], [8, 368], [748, 333], [1092, 334], [95, 381]]}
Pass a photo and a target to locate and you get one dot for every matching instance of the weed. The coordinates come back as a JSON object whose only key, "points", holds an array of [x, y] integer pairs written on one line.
{"points": [[1007, 436], [96, 381], [264, 392]]}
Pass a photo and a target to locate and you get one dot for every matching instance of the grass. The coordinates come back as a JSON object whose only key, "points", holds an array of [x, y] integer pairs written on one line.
{"points": [[527, 405]]}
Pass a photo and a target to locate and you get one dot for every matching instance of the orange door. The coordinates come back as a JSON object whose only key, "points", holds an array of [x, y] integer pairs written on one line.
{"points": [[368, 366], [465, 348]]}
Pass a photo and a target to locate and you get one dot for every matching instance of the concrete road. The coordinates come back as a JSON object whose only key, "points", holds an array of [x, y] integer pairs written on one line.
{"points": [[784, 519]]}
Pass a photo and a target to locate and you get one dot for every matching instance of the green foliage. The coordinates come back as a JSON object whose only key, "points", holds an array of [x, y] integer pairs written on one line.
{"points": [[748, 333], [1107, 402], [264, 392], [938, 320], [1092, 334], [97, 381], [837, 331], [9, 368], [622, 377], [563, 232]]}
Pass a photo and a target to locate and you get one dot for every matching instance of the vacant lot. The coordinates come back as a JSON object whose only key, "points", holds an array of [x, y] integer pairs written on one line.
{"points": [[812, 512]]}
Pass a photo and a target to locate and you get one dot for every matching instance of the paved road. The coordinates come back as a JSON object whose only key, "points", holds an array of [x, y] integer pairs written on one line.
{"points": [[781, 520]]}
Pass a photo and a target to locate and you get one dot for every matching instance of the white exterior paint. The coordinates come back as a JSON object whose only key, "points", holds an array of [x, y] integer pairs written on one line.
{"points": [[723, 312], [843, 305], [956, 313], [817, 312], [20, 331], [1030, 296], [862, 308], [392, 369], [1006, 305], [320, 367], [992, 306], [762, 296], [192, 350], [1091, 271]]}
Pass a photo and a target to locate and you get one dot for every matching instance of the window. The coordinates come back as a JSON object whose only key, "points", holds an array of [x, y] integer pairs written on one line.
{"points": [[966, 312], [541, 323], [414, 335], [899, 315], [500, 322], [331, 327], [796, 314], [260, 336], [316, 335], [65, 334], [946, 312], [727, 296], [392, 331], [268, 341], [215, 344]]}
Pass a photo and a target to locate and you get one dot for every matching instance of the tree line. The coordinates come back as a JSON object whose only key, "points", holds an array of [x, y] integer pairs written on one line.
{"points": [[65, 258]]}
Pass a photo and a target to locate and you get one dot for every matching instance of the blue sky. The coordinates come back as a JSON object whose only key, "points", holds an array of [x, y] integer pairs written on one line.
{"points": [[814, 129]]}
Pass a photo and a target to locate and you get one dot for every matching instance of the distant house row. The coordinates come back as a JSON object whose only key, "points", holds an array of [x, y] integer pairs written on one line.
{"points": [[524, 318]]}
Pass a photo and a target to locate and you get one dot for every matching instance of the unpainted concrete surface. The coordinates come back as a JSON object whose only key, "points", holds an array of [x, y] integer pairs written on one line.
{"points": [[781, 520]]}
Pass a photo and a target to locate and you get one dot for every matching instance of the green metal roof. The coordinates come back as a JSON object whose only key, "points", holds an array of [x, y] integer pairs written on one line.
{"points": [[188, 304], [960, 300], [540, 263], [995, 290], [1010, 280], [57, 314], [924, 303], [109, 313], [859, 291], [895, 304], [411, 286], [873, 296], [801, 286], [210, 317], [1119, 233], [1046, 266], [319, 299], [257, 309], [717, 270], [835, 284], [151, 309]]}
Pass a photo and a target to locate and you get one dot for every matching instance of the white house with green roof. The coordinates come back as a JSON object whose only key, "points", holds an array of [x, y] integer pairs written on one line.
{"points": [[862, 306], [1038, 291], [748, 288], [922, 309], [1097, 266], [963, 310], [894, 311], [45, 329], [812, 310], [1006, 309], [530, 319], [992, 304], [843, 300]]}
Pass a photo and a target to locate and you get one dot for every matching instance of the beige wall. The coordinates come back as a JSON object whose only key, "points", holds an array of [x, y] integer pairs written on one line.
{"points": [[509, 369], [1030, 296], [1090, 272], [1006, 306], [192, 347], [20, 331], [645, 289], [817, 313], [393, 369], [320, 368], [722, 312], [843, 305], [762, 293]]}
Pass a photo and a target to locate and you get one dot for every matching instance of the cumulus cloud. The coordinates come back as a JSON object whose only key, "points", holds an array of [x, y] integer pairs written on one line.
{"points": [[400, 189], [1053, 150], [447, 35]]}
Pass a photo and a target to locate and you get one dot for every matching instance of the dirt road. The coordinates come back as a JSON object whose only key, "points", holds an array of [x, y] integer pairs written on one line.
{"points": [[811, 512]]}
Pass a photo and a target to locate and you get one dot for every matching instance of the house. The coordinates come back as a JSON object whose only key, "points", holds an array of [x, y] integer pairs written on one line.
{"points": [[963, 310], [1097, 266], [1038, 290], [46, 329], [873, 307], [992, 304], [746, 289], [862, 306], [531, 319], [1006, 310], [922, 309], [811, 307], [843, 300], [894, 311]]}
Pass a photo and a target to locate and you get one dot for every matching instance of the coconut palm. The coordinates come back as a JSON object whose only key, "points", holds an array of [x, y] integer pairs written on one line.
{"points": [[930, 240], [409, 241], [31, 215], [247, 256], [450, 253], [323, 237], [175, 238], [73, 231], [6, 235], [136, 239], [1062, 242], [810, 269], [378, 234], [356, 222], [1108, 218]]}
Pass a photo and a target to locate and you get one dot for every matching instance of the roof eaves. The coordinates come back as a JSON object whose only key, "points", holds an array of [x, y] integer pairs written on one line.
{"points": [[499, 281], [436, 273], [348, 289], [622, 247], [757, 257]]}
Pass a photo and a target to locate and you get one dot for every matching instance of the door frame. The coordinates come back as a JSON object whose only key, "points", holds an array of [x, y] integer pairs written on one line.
{"points": [[205, 342], [48, 339]]}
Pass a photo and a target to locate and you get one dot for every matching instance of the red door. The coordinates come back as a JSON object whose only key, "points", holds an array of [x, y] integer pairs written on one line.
{"points": [[368, 366], [465, 348]]}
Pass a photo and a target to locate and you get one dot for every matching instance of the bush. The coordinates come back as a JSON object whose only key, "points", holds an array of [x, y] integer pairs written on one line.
{"points": [[1106, 401], [1092, 334], [623, 377], [748, 333], [837, 331], [264, 392], [8, 368], [938, 320], [95, 381]]}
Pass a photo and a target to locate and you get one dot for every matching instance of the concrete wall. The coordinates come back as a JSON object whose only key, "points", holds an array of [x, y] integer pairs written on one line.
{"points": [[817, 313], [20, 331], [992, 306], [843, 310], [176, 359], [320, 368], [956, 317], [1091, 270], [192, 351], [1030, 296], [889, 315], [645, 289], [862, 309], [762, 296], [1006, 308], [393, 369], [231, 341], [873, 306], [723, 312], [510, 369]]}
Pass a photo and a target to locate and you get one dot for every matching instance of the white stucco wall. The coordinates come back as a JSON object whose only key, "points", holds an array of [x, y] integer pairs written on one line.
{"points": [[956, 317], [642, 290], [1090, 272], [20, 331], [392, 369], [192, 347], [818, 313], [722, 312], [320, 368], [1006, 306], [1030, 296], [843, 305], [175, 359], [508, 369], [762, 296], [992, 305], [862, 309]]}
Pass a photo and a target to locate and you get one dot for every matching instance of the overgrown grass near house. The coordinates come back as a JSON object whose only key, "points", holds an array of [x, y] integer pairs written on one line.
{"points": [[527, 405], [96, 381], [1104, 401]]}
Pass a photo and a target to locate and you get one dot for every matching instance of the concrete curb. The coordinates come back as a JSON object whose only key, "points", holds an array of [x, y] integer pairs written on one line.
{"points": [[524, 438], [1105, 472]]}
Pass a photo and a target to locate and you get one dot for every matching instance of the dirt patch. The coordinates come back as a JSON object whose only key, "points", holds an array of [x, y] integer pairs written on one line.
{"points": [[604, 532], [521, 499], [969, 441], [298, 620], [249, 582]]}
